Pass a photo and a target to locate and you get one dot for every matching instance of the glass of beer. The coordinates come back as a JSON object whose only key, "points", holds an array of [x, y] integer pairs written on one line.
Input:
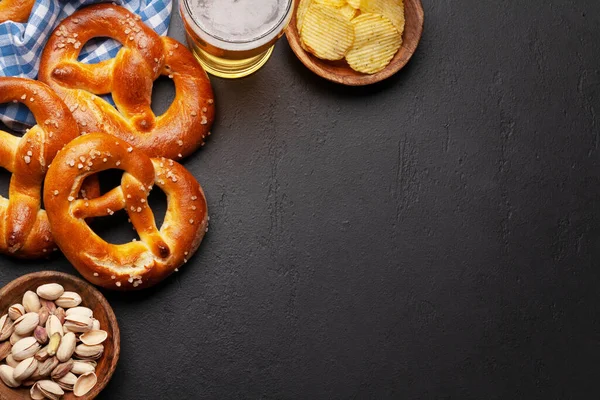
{"points": [[234, 38]]}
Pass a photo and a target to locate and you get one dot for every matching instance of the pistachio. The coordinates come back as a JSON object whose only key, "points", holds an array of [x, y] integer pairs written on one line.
{"points": [[36, 393], [82, 367], [6, 374], [31, 302], [16, 311], [84, 384], [46, 367], [49, 305], [67, 347], [6, 327], [68, 300], [78, 323], [53, 326], [25, 369], [26, 324], [50, 389], [80, 310], [54, 344], [95, 324], [4, 350], [40, 335], [93, 337], [29, 382], [14, 338], [67, 382], [42, 354], [43, 315], [61, 369], [50, 291], [10, 360], [86, 352], [25, 348], [60, 314]]}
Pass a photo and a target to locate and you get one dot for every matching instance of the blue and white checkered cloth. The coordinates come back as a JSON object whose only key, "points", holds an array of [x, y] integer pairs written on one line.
{"points": [[21, 44]]}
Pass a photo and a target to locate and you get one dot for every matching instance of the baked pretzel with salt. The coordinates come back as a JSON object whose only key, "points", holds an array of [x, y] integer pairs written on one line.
{"points": [[129, 78], [137, 264], [15, 10], [24, 228]]}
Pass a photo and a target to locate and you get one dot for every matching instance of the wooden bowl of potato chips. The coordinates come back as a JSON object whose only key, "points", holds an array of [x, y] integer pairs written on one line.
{"points": [[355, 42]]}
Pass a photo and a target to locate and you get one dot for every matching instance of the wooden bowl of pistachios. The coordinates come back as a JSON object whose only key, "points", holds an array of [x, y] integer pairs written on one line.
{"points": [[59, 338]]}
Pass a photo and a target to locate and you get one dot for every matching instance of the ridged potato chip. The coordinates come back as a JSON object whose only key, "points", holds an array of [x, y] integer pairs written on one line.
{"points": [[354, 4], [301, 12], [331, 3], [348, 11], [375, 44], [392, 9], [326, 33]]}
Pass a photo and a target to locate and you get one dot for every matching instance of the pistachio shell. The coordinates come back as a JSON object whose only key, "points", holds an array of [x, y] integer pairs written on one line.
{"points": [[50, 389], [25, 369], [82, 367], [27, 323], [6, 327], [49, 305], [6, 374], [61, 370], [14, 338], [78, 323], [68, 300], [95, 325], [67, 347], [5, 350], [60, 314], [10, 360], [25, 348], [42, 354], [84, 384], [50, 291], [40, 335], [43, 315], [53, 326], [93, 337], [16, 311], [31, 302], [67, 382], [84, 351], [46, 367], [36, 393], [80, 310]]}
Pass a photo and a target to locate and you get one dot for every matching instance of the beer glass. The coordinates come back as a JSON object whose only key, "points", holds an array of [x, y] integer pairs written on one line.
{"points": [[234, 38]]}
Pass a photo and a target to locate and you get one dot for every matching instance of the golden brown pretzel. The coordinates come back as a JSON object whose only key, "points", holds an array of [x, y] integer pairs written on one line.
{"points": [[137, 264], [24, 228], [129, 78], [15, 10]]}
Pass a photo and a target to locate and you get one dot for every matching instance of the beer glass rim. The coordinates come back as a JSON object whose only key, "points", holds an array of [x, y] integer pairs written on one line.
{"points": [[275, 27]]}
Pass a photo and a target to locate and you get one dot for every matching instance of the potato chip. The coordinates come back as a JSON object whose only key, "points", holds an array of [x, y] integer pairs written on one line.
{"points": [[348, 11], [354, 4], [375, 44], [301, 12], [331, 3], [326, 33], [392, 9]]}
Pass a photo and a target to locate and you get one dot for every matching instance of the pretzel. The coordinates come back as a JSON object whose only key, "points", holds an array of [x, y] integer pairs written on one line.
{"points": [[24, 228], [129, 77], [137, 264], [15, 10]]}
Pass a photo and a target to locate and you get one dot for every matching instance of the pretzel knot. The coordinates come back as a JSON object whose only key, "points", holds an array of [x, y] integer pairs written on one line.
{"points": [[24, 228], [15, 10], [137, 264], [129, 77]]}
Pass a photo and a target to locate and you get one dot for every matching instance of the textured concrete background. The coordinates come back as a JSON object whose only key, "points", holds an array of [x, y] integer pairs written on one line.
{"points": [[433, 236]]}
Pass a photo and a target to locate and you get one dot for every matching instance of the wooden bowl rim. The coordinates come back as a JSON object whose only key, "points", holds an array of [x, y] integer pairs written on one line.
{"points": [[399, 61], [113, 323]]}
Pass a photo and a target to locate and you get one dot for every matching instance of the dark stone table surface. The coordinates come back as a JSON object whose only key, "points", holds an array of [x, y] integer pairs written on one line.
{"points": [[435, 236]]}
